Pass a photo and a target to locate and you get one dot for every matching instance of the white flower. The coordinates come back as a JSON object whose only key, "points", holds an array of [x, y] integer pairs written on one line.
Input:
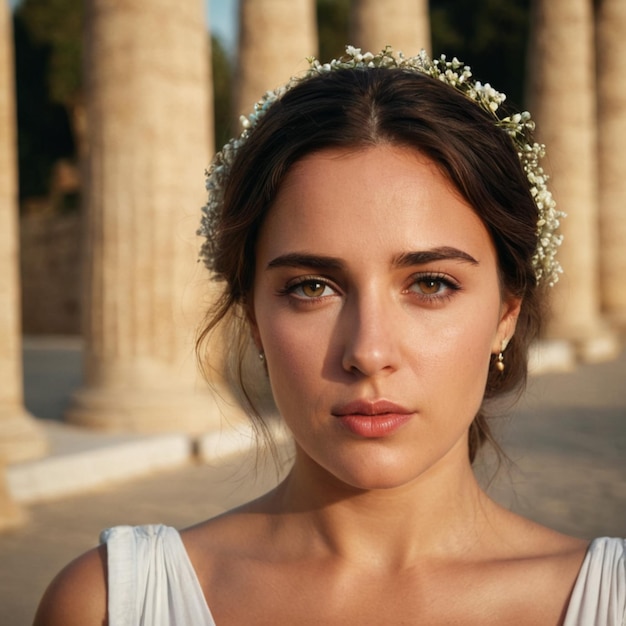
{"points": [[454, 74]]}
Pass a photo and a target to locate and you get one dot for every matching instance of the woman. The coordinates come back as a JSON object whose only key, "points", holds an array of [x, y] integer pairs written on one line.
{"points": [[385, 236]]}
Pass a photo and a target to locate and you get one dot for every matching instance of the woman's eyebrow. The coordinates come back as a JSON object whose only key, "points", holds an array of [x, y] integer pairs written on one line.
{"points": [[300, 259], [443, 253], [406, 259]]}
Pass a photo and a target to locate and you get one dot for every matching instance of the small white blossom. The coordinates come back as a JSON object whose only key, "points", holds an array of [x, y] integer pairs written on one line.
{"points": [[458, 77]]}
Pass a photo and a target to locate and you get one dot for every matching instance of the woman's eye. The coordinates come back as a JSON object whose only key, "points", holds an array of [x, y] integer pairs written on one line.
{"points": [[432, 286], [312, 289], [429, 286]]}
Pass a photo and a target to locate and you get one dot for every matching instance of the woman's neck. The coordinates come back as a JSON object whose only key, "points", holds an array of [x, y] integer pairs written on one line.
{"points": [[443, 513]]}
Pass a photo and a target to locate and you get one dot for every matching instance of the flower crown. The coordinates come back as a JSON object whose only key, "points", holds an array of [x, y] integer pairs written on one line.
{"points": [[453, 73]]}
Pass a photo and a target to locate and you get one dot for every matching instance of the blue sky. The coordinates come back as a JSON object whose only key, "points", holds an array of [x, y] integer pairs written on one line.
{"points": [[222, 18], [223, 21]]}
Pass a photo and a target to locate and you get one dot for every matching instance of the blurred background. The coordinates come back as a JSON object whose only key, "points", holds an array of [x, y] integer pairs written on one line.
{"points": [[559, 61], [492, 37], [110, 113]]}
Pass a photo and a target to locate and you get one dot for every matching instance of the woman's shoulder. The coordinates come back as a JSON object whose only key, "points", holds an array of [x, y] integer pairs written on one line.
{"points": [[229, 536], [233, 531], [78, 594], [233, 547], [529, 542], [130, 558], [591, 575]]}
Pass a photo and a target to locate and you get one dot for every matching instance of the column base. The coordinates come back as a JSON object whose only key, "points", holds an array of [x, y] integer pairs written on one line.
{"points": [[152, 411], [551, 355], [21, 438], [604, 346], [594, 342]]}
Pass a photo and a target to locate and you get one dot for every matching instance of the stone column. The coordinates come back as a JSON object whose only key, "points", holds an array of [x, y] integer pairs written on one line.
{"points": [[402, 24], [275, 38], [562, 99], [611, 69], [148, 112], [20, 436]]}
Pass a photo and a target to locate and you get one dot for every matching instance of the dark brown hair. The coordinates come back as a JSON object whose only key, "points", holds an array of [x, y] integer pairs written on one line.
{"points": [[355, 108]]}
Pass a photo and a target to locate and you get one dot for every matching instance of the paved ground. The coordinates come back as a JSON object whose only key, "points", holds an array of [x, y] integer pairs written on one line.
{"points": [[566, 440]]}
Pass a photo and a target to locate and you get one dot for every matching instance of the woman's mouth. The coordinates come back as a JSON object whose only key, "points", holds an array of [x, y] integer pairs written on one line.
{"points": [[372, 419]]}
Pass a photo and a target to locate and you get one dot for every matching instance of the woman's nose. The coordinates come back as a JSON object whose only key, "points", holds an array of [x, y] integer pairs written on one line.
{"points": [[369, 333]]}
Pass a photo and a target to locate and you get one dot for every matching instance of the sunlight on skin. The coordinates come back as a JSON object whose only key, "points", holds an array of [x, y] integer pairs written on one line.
{"points": [[406, 311]]}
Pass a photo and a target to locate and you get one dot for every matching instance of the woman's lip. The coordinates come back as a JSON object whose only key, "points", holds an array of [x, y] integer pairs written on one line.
{"points": [[373, 426], [372, 419], [370, 408]]}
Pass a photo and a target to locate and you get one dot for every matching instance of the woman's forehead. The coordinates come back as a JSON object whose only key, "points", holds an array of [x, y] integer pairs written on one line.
{"points": [[382, 197]]}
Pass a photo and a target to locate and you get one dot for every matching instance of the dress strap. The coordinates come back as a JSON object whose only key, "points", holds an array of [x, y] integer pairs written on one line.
{"points": [[123, 599], [599, 595], [151, 581]]}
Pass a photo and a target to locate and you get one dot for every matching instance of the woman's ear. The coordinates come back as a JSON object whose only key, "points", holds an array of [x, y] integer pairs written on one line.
{"points": [[509, 312]]}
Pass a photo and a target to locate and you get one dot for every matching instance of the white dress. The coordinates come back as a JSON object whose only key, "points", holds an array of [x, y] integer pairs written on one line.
{"points": [[152, 582], [151, 579], [599, 595]]}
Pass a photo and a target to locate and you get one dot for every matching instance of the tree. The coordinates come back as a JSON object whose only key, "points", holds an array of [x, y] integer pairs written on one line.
{"points": [[489, 35], [56, 25], [333, 23], [48, 85]]}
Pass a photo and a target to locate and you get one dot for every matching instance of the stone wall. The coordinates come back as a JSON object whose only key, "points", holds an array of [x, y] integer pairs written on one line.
{"points": [[50, 262]]}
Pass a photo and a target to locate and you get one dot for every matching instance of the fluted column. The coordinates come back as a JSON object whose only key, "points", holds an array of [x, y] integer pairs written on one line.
{"points": [[611, 70], [275, 38], [148, 112], [20, 436], [402, 24], [562, 99]]}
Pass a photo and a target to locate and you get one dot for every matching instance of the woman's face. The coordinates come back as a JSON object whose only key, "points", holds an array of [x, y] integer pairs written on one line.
{"points": [[377, 303]]}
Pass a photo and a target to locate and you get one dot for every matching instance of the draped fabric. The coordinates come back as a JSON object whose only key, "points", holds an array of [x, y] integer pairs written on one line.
{"points": [[599, 596], [152, 581]]}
